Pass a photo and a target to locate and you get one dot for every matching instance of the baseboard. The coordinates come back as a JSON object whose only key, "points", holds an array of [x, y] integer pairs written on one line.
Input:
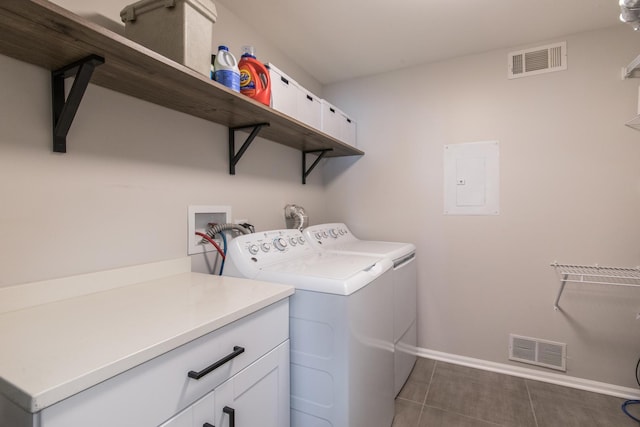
{"points": [[532, 374]]}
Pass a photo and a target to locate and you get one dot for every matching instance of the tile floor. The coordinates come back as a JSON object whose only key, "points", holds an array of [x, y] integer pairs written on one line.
{"points": [[440, 394]]}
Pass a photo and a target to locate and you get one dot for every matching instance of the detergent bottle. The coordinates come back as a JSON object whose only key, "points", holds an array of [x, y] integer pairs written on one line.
{"points": [[254, 77], [225, 69]]}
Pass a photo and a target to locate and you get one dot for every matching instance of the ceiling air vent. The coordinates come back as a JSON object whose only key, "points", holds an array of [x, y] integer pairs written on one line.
{"points": [[538, 60]]}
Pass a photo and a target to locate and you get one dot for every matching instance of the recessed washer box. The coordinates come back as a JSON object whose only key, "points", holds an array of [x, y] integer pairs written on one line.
{"points": [[199, 218]]}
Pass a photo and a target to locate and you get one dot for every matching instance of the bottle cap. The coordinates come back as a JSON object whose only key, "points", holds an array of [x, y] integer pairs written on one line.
{"points": [[222, 47], [248, 51]]}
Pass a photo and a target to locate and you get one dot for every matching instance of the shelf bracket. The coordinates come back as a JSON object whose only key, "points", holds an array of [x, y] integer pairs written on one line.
{"points": [[305, 171], [563, 282], [628, 71], [64, 111], [234, 157]]}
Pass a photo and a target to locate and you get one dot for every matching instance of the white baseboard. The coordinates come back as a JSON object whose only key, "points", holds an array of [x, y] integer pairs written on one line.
{"points": [[532, 374]]}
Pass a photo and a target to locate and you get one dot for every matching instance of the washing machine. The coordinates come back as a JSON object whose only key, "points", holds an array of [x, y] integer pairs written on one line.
{"points": [[337, 238], [341, 327]]}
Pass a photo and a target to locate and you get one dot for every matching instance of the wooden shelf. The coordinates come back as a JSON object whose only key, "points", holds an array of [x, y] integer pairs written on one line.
{"points": [[44, 34]]}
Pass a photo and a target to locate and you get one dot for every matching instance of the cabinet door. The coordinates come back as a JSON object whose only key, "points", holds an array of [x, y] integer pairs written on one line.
{"points": [[257, 395], [196, 415]]}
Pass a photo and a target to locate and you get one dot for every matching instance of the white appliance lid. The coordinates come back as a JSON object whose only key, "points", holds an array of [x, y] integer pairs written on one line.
{"points": [[391, 250], [330, 273], [326, 265]]}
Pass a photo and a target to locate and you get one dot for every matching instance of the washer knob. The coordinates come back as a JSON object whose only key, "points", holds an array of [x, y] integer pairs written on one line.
{"points": [[318, 236], [293, 241], [253, 249], [280, 243], [265, 247], [333, 233], [324, 234], [301, 240], [342, 232]]}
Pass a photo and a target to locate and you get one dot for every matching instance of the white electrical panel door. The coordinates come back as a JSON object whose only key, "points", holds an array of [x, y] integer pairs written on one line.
{"points": [[472, 178]]}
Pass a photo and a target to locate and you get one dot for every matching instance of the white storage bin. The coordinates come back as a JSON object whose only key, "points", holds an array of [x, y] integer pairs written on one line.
{"points": [[181, 30], [284, 91], [330, 119], [347, 129], [309, 109]]}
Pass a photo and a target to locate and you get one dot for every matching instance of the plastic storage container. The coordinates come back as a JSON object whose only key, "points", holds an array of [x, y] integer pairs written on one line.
{"points": [[284, 92], [338, 124], [330, 119], [225, 69], [348, 130], [309, 108], [178, 29]]}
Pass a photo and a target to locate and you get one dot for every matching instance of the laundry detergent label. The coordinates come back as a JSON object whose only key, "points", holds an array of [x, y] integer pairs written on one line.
{"points": [[247, 84]]}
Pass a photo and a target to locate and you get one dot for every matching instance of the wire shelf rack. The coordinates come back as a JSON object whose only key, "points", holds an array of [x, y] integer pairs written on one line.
{"points": [[612, 276]]}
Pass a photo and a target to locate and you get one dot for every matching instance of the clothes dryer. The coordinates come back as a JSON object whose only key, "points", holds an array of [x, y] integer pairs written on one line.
{"points": [[341, 327], [337, 238]]}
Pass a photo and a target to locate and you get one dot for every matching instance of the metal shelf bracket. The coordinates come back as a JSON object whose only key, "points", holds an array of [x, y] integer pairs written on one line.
{"points": [[305, 171], [64, 111], [234, 157], [629, 71]]}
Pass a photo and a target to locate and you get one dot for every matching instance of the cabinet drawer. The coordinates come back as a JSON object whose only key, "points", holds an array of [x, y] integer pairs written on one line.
{"points": [[151, 393]]}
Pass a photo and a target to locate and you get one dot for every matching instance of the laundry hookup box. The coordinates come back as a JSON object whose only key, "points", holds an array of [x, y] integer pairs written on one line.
{"points": [[181, 30]]}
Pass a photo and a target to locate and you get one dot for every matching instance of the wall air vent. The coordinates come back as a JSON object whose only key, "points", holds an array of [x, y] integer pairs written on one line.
{"points": [[537, 60], [538, 352]]}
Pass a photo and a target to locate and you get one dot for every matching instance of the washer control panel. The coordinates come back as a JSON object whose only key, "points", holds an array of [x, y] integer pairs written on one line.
{"points": [[328, 234], [270, 246]]}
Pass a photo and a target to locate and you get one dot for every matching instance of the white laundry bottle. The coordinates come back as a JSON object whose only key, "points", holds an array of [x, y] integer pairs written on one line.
{"points": [[225, 69]]}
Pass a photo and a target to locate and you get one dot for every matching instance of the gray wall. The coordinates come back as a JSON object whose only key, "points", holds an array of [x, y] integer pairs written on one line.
{"points": [[570, 191], [570, 188], [120, 195]]}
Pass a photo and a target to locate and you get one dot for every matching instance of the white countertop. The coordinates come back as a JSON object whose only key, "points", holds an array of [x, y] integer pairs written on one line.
{"points": [[54, 350]]}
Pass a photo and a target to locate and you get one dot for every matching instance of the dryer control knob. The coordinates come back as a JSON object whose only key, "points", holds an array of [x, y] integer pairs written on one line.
{"points": [[253, 249], [301, 240], [333, 233], [318, 236], [293, 241], [324, 234], [265, 247], [280, 243]]}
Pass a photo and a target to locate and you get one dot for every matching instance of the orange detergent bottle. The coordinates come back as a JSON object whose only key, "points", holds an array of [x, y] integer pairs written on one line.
{"points": [[254, 77]]}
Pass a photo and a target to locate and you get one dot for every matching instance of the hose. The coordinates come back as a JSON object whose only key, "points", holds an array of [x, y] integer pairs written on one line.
{"points": [[219, 228], [213, 242], [298, 215], [633, 402]]}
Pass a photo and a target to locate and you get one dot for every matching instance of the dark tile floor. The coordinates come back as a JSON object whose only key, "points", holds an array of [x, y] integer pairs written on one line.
{"points": [[440, 394]]}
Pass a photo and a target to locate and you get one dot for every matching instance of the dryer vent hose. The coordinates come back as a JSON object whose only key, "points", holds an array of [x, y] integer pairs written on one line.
{"points": [[296, 217]]}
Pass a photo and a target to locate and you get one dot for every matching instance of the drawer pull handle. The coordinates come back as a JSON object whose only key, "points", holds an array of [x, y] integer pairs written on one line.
{"points": [[208, 425], [232, 415], [237, 351]]}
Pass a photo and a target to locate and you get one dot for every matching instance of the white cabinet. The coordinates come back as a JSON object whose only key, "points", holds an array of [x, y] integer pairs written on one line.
{"points": [[160, 392], [257, 395]]}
